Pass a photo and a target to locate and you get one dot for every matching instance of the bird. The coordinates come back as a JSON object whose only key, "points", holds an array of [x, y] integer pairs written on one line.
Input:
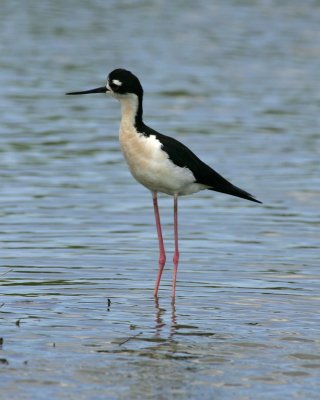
{"points": [[159, 162]]}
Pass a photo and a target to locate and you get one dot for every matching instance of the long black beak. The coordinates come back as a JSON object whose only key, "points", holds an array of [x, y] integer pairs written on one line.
{"points": [[102, 89]]}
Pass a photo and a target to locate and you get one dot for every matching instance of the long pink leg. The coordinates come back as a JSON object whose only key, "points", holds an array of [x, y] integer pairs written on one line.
{"points": [[162, 254], [176, 248]]}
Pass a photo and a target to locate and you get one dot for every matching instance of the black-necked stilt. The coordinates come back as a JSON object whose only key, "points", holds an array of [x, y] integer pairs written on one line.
{"points": [[159, 162]]}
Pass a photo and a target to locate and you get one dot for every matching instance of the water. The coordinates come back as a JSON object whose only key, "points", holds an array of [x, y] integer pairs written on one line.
{"points": [[237, 82]]}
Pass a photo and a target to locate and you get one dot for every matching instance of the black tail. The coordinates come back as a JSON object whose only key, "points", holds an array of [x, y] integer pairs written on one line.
{"points": [[208, 176], [235, 191]]}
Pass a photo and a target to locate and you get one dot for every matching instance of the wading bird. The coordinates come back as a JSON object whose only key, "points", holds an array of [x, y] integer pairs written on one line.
{"points": [[159, 162]]}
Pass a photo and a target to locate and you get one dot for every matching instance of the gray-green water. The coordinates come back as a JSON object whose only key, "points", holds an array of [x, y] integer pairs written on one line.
{"points": [[238, 82]]}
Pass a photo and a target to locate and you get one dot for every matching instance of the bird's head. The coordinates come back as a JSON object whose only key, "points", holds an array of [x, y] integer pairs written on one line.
{"points": [[121, 83]]}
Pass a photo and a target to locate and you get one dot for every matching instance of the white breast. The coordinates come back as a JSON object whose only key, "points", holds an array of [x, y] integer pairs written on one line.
{"points": [[148, 163]]}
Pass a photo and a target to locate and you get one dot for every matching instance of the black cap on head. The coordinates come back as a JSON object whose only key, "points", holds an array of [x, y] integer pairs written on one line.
{"points": [[122, 81]]}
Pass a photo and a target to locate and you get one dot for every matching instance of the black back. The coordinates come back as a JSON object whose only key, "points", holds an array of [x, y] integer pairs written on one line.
{"points": [[183, 157]]}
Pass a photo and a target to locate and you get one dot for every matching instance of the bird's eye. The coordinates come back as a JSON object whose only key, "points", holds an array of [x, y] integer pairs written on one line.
{"points": [[114, 87]]}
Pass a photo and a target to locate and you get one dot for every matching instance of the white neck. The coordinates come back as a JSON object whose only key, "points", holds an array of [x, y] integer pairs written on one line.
{"points": [[129, 107]]}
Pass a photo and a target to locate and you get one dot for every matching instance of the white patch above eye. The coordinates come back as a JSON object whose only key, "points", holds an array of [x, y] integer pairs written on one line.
{"points": [[116, 82]]}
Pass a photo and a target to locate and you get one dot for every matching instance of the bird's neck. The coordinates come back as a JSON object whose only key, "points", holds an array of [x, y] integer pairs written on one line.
{"points": [[131, 111]]}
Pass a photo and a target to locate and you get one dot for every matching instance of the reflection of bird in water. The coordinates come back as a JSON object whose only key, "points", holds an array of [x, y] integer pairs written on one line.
{"points": [[160, 324], [159, 317], [159, 162]]}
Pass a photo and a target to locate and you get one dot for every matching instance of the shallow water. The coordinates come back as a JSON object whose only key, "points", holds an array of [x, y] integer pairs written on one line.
{"points": [[236, 82]]}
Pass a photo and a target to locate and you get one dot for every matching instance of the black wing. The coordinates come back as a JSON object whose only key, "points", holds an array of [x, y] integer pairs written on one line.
{"points": [[183, 157]]}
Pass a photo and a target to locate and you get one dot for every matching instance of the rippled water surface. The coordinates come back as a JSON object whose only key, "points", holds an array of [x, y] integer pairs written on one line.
{"points": [[237, 81]]}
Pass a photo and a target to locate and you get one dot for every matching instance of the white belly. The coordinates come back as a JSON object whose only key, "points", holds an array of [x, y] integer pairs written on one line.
{"points": [[150, 165]]}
